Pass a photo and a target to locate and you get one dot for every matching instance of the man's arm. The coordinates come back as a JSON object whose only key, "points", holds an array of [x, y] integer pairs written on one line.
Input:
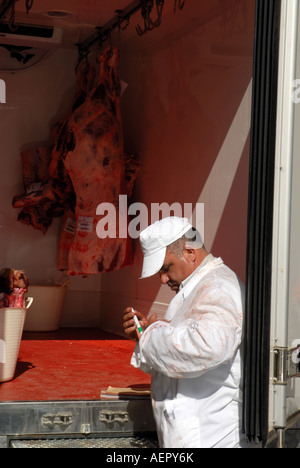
{"points": [[209, 337]]}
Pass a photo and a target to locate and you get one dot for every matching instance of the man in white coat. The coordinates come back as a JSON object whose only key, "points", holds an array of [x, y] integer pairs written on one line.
{"points": [[193, 355]]}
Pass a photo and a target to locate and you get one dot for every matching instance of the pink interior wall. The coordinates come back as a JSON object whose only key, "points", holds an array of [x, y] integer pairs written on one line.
{"points": [[186, 114]]}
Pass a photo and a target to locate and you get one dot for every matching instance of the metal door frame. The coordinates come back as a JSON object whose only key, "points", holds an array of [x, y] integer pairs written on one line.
{"points": [[260, 219], [282, 209], [269, 217]]}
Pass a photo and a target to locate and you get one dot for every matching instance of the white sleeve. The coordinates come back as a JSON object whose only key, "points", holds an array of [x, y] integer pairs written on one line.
{"points": [[136, 360], [208, 338]]}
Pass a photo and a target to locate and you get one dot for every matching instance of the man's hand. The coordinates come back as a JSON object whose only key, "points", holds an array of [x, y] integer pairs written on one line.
{"points": [[130, 326]]}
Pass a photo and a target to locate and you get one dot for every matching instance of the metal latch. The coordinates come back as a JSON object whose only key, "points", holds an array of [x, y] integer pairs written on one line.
{"points": [[85, 429], [286, 364], [110, 417], [60, 419]]}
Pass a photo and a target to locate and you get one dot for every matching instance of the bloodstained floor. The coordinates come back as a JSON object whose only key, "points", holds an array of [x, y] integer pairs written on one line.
{"points": [[71, 364]]}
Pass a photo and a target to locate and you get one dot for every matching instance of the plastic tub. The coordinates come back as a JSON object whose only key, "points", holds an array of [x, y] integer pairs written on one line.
{"points": [[11, 329], [46, 310]]}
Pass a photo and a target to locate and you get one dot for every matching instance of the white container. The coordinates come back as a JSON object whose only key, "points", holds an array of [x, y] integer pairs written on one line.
{"points": [[11, 329], [46, 310]]}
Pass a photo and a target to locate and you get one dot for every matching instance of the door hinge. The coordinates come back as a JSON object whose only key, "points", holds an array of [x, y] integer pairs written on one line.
{"points": [[286, 364]]}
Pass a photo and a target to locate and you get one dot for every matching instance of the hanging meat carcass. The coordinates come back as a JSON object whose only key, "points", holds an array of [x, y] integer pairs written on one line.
{"points": [[84, 167], [48, 189], [97, 169]]}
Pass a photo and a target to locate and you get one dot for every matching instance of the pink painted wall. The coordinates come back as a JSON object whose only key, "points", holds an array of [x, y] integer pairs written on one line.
{"points": [[186, 114]]}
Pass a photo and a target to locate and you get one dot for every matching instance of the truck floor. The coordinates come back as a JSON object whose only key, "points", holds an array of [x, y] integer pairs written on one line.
{"points": [[71, 364]]}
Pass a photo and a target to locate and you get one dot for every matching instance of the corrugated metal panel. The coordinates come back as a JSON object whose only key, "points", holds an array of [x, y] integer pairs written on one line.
{"points": [[104, 442]]}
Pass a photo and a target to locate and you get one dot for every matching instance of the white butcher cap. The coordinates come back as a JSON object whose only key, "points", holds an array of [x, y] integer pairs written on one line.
{"points": [[156, 238]]}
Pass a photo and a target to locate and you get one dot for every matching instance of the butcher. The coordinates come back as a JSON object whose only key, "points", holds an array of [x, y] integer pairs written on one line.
{"points": [[194, 353]]}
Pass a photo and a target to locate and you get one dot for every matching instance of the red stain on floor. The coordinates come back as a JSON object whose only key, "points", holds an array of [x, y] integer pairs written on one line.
{"points": [[71, 364]]}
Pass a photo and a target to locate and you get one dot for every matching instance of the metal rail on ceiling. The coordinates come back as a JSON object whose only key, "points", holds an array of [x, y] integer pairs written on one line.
{"points": [[102, 33], [121, 20]]}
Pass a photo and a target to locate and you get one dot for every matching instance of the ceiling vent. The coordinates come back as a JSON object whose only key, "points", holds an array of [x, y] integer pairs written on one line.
{"points": [[27, 45]]}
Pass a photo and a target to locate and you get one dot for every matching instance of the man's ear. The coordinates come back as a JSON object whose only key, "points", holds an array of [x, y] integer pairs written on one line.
{"points": [[189, 254]]}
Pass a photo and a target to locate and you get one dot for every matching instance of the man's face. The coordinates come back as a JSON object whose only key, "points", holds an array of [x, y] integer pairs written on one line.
{"points": [[175, 270]]}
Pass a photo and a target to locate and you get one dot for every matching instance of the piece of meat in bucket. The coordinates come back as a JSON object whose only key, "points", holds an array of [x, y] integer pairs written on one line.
{"points": [[11, 279]]}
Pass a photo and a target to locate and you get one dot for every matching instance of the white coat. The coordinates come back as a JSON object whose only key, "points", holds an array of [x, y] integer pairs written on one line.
{"points": [[195, 362]]}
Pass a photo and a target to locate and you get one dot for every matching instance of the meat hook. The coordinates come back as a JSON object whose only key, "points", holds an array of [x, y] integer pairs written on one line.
{"points": [[179, 4], [147, 8], [29, 4]]}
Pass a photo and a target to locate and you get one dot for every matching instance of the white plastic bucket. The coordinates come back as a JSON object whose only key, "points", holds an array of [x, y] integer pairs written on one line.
{"points": [[46, 310], [11, 329]]}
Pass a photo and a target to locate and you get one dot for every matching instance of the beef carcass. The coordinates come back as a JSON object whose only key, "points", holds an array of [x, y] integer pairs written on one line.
{"points": [[97, 169], [48, 188], [86, 167]]}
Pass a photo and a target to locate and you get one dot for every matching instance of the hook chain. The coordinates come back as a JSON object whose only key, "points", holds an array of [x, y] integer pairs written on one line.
{"points": [[9, 7], [147, 7]]}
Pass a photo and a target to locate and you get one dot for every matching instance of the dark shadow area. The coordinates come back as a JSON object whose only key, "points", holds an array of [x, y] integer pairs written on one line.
{"points": [[22, 367], [72, 334]]}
